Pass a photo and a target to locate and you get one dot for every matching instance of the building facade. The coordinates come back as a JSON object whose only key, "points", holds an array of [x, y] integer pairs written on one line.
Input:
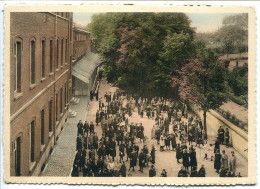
{"points": [[84, 63], [40, 86], [81, 43]]}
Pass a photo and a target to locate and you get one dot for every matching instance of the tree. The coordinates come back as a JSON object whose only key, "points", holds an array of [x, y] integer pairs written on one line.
{"points": [[132, 47], [233, 35], [202, 81]]}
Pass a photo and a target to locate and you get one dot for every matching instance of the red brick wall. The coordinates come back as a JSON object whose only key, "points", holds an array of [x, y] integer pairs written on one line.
{"points": [[38, 26]]}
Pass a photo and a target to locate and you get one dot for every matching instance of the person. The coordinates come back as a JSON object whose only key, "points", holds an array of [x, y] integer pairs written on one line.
{"points": [[173, 141], [221, 133], [164, 173], [202, 171], [178, 153], [217, 147], [121, 151], [224, 160], [123, 169], [185, 159], [194, 172], [233, 162], [141, 161], [75, 171], [86, 127], [162, 143], [217, 161], [193, 159], [80, 128], [153, 133], [152, 155], [133, 159], [152, 171], [95, 142], [91, 127], [182, 172], [227, 137], [222, 172]]}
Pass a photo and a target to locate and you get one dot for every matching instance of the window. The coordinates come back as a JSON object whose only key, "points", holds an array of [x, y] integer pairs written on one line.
{"points": [[18, 66], [32, 62], [56, 107], [51, 56], [50, 116], [17, 155], [66, 51], [65, 94], [31, 140], [43, 58], [61, 105], [61, 54], [42, 127], [57, 61]]}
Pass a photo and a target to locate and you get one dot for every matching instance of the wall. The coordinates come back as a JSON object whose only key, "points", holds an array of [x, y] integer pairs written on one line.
{"points": [[28, 106], [238, 137]]}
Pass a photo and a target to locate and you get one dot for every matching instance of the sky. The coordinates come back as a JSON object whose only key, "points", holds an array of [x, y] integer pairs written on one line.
{"points": [[203, 22]]}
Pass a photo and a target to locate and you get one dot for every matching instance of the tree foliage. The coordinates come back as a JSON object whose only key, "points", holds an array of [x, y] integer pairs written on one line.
{"points": [[140, 50]]}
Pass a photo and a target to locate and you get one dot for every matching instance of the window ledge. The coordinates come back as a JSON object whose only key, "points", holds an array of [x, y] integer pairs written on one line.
{"points": [[17, 95], [57, 69], [43, 79], [42, 147], [32, 86], [51, 73], [50, 134], [31, 166]]}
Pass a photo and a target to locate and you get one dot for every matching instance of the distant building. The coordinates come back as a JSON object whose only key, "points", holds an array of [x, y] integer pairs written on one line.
{"points": [[40, 86], [85, 63]]}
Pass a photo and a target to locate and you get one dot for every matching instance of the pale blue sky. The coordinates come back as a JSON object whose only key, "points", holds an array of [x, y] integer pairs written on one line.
{"points": [[204, 22]]}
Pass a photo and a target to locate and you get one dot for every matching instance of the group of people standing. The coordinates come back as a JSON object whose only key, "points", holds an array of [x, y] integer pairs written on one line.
{"points": [[174, 129]]}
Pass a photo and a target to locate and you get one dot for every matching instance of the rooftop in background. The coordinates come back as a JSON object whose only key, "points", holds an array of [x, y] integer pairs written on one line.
{"points": [[80, 27]]}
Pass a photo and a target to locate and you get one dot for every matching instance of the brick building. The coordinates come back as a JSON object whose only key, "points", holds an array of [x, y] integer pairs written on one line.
{"points": [[84, 63], [81, 43], [40, 86]]}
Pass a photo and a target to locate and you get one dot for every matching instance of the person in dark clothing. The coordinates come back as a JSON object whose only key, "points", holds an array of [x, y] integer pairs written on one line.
{"points": [[221, 133], [182, 172], [217, 161], [216, 146], [91, 127], [95, 142], [141, 161], [152, 155], [113, 149], [186, 161], [222, 172], [152, 171], [80, 128], [202, 171], [101, 152], [75, 171], [227, 137], [194, 172], [193, 159], [178, 153], [129, 149], [133, 160], [86, 127], [164, 173], [123, 169], [121, 151]]}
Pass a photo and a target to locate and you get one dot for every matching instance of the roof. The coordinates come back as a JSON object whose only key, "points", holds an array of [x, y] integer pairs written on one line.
{"points": [[84, 68]]}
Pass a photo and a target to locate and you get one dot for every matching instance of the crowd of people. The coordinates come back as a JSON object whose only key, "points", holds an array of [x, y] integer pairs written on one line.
{"points": [[174, 129]]}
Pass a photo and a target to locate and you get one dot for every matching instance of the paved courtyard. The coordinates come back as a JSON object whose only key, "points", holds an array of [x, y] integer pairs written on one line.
{"points": [[61, 161]]}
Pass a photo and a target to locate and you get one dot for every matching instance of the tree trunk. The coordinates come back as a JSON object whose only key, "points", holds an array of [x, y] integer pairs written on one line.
{"points": [[205, 124]]}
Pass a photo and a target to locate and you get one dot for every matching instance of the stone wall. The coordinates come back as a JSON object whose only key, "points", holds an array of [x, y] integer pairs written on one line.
{"points": [[238, 137]]}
